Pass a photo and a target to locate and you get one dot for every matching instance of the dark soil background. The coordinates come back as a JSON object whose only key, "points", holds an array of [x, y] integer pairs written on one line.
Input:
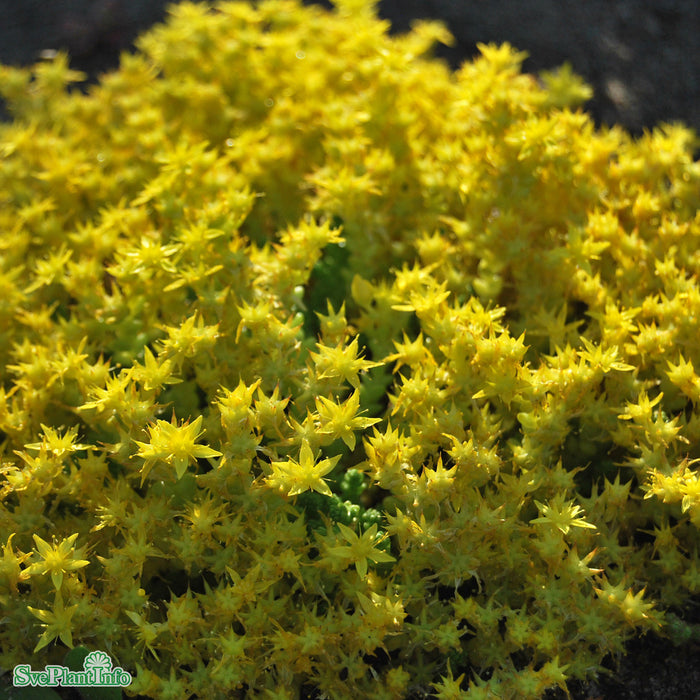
{"points": [[642, 58]]}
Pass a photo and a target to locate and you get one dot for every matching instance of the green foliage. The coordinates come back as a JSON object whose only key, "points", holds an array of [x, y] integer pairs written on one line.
{"points": [[29, 693], [352, 485], [681, 632], [325, 369], [74, 661], [327, 284]]}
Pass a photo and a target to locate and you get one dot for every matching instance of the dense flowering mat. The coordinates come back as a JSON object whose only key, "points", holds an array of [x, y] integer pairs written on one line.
{"points": [[328, 372]]}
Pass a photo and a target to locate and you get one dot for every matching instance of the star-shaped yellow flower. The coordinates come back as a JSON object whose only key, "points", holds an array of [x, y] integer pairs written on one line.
{"points": [[296, 477], [360, 548], [174, 445], [57, 559], [57, 623]]}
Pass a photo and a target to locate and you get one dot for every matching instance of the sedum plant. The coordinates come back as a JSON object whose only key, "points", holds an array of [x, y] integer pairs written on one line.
{"points": [[329, 372]]}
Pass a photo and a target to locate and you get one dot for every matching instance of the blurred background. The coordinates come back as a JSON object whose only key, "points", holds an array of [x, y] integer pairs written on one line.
{"points": [[642, 57]]}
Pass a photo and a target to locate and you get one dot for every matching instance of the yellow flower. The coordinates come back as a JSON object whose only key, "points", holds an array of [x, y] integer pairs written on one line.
{"points": [[449, 687], [341, 363], [360, 548], [58, 559], [153, 374], [562, 515], [11, 571], [296, 477], [188, 338], [630, 604], [56, 444], [57, 622], [341, 420], [174, 445]]}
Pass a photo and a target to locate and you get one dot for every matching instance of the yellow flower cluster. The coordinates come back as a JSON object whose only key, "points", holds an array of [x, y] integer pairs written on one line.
{"points": [[328, 370]]}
